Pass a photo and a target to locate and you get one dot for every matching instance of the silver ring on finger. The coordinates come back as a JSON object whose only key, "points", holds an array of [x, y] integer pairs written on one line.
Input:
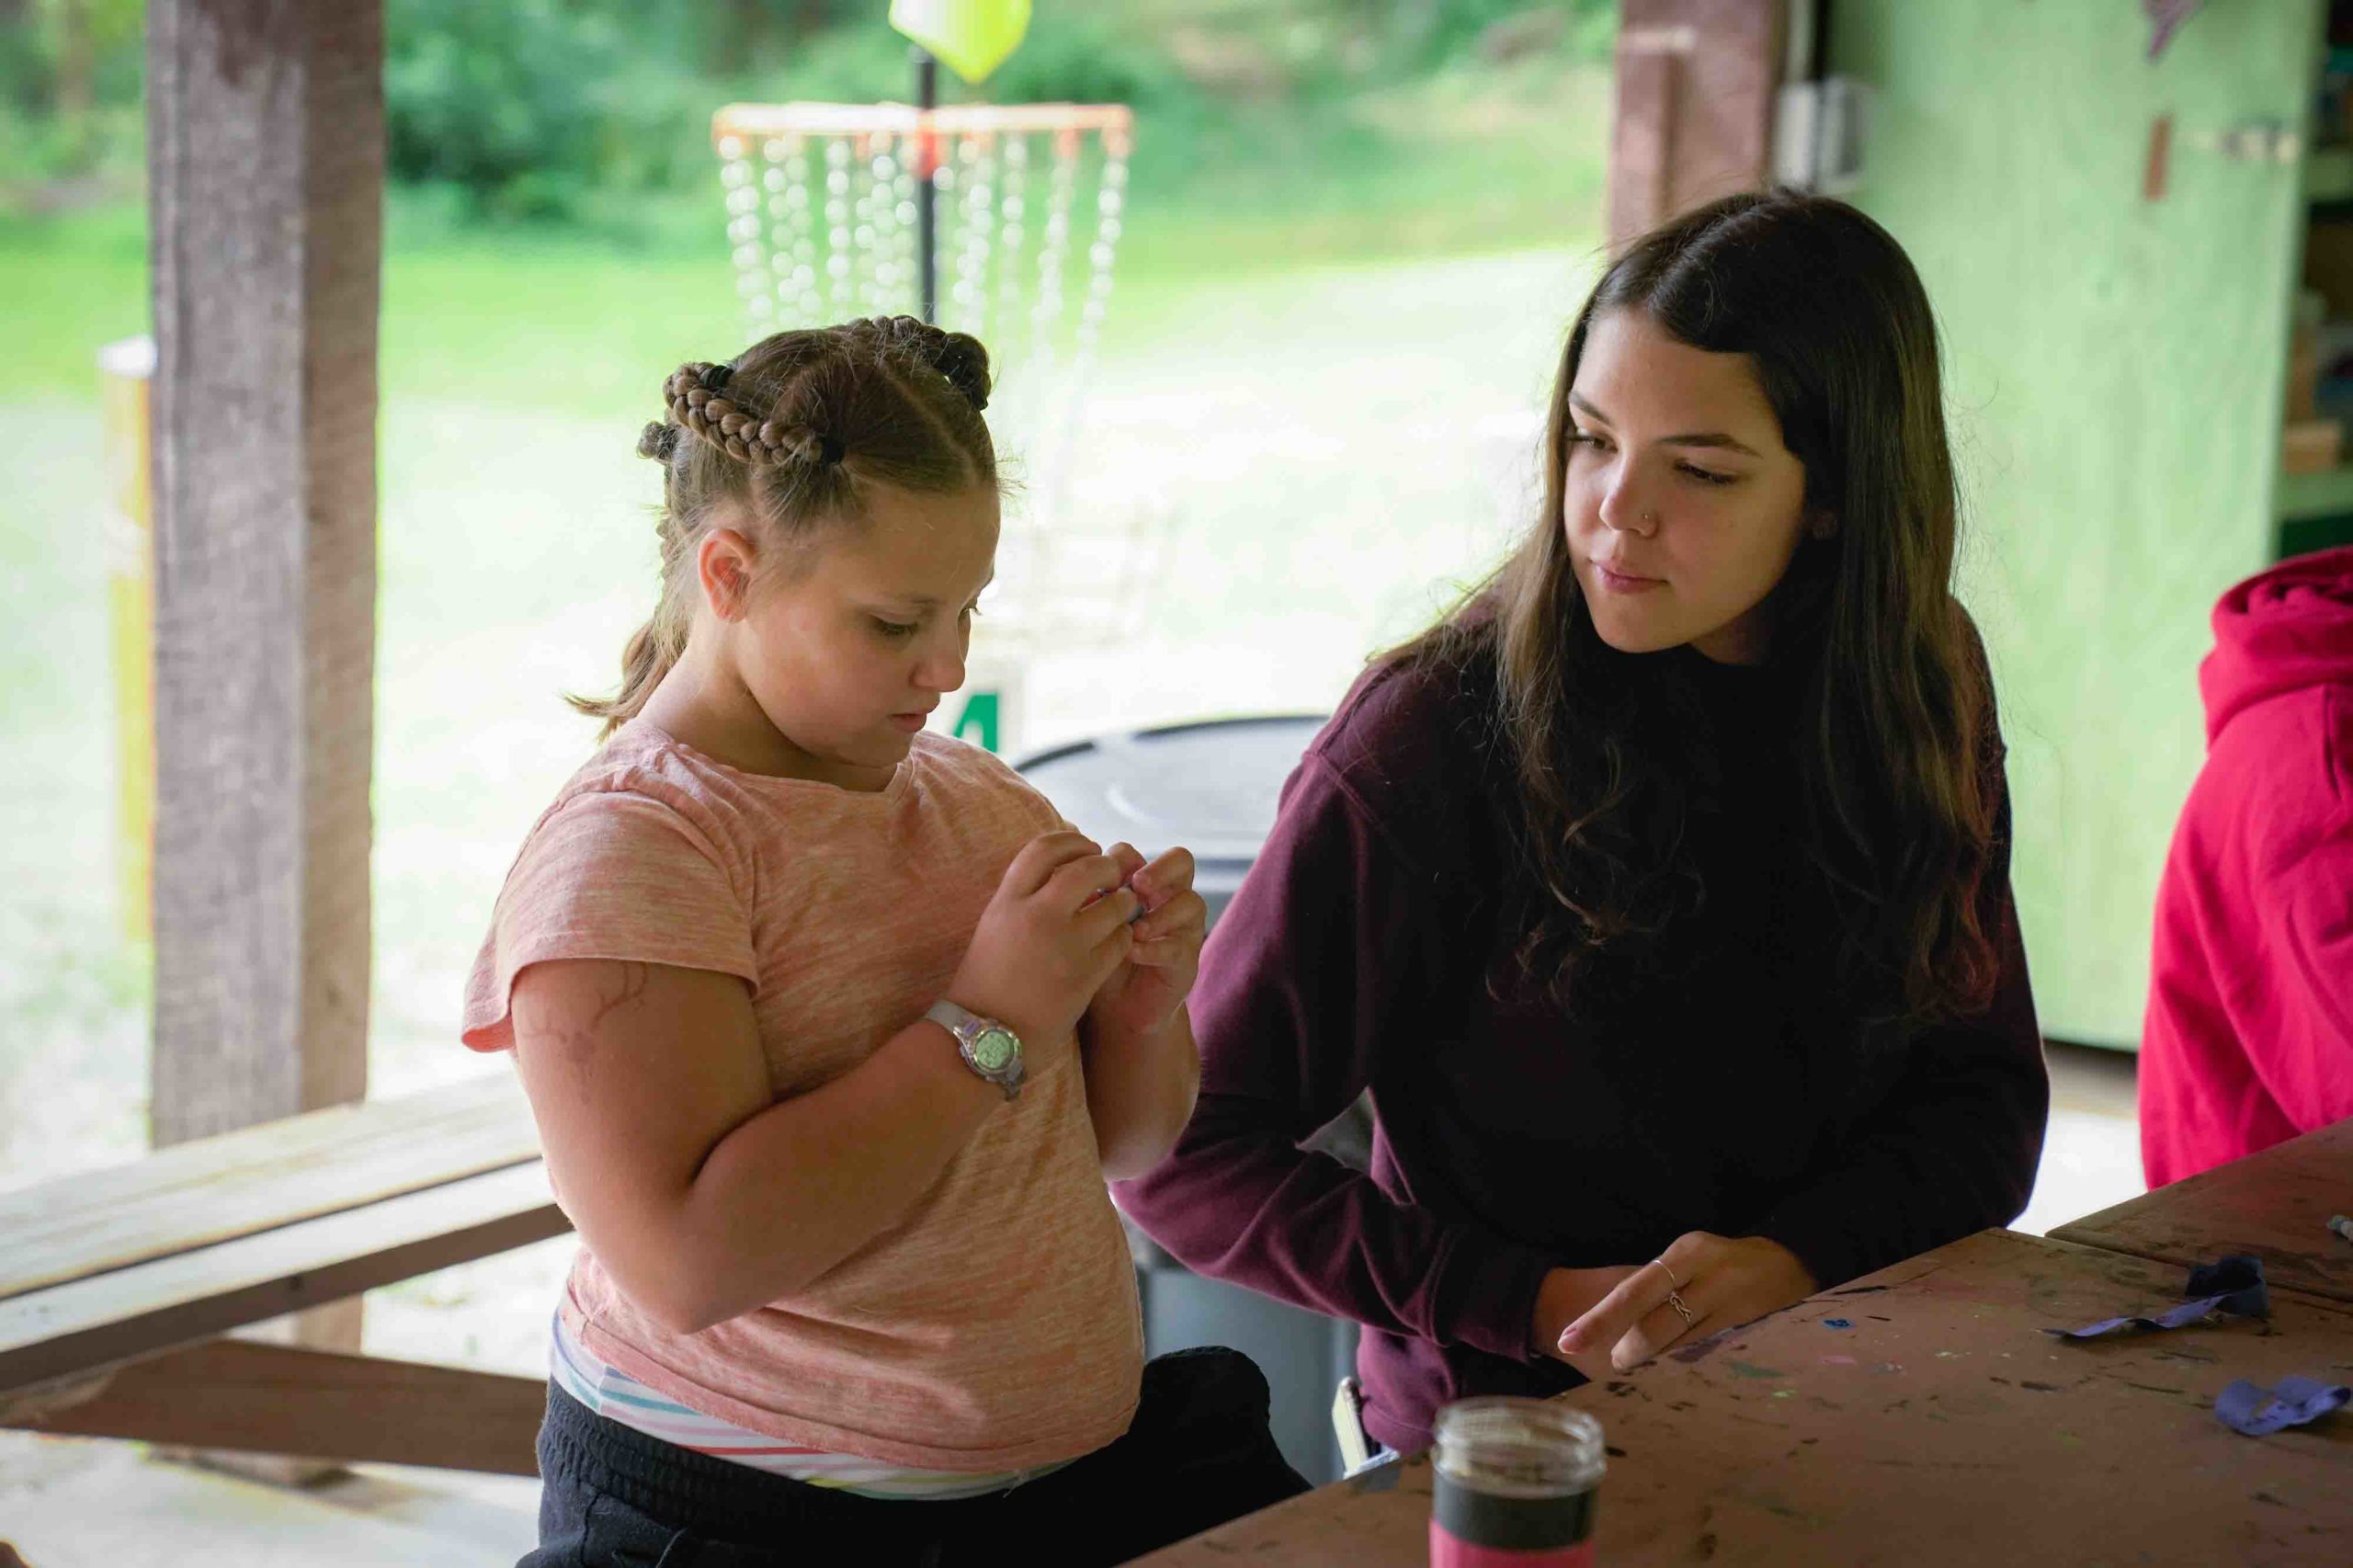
{"points": [[1670, 1272], [1674, 1300]]}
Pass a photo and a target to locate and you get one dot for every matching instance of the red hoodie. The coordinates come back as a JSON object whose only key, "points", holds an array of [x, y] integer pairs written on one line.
{"points": [[2249, 1035]]}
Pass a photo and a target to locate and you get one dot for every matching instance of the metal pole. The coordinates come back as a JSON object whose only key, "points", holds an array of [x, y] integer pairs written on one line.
{"points": [[926, 162]]}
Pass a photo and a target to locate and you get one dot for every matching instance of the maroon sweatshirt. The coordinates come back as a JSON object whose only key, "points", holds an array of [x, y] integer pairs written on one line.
{"points": [[1712, 1084], [2249, 1034]]}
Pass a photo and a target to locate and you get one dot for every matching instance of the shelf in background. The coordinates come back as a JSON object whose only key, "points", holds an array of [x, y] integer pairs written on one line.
{"points": [[2314, 495], [2328, 174]]}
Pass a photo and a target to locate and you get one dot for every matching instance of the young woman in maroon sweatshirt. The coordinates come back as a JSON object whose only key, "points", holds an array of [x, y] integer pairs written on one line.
{"points": [[1660, 895]]}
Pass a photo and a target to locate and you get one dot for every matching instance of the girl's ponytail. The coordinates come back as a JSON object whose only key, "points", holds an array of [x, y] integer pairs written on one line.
{"points": [[647, 658]]}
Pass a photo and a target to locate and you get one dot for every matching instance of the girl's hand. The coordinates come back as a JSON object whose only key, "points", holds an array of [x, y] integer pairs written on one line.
{"points": [[1055, 931], [1722, 1282], [1143, 993]]}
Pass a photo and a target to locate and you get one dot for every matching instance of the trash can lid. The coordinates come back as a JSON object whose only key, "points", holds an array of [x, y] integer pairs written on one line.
{"points": [[1212, 786]]}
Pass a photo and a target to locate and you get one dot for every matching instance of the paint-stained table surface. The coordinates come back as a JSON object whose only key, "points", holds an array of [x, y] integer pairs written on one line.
{"points": [[1940, 1425], [2274, 1205]]}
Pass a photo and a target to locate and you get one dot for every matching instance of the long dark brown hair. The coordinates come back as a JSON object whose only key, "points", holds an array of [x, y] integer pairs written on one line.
{"points": [[1892, 750], [786, 439]]}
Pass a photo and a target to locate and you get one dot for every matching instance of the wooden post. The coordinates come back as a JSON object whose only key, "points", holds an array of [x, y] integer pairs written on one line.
{"points": [[1696, 86], [1642, 141], [266, 156]]}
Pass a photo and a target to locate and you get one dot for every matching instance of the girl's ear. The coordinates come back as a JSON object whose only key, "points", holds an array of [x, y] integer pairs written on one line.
{"points": [[723, 567], [1823, 525]]}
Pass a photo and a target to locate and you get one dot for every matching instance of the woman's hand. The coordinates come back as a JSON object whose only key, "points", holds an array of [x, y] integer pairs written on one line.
{"points": [[1722, 1282], [1143, 993], [1566, 1295]]}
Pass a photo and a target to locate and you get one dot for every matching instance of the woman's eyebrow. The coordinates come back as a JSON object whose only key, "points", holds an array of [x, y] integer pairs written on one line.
{"points": [[1714, 439]]}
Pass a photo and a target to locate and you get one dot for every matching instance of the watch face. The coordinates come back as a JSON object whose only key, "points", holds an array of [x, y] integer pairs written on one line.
{"points": [[993, 1051]]}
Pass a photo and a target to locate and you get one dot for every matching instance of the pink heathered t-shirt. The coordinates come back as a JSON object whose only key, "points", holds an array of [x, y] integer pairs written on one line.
{"points": [[998, 1327]]}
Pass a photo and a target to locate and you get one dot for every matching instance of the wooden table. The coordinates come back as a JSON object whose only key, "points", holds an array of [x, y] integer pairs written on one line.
{"points": [[2274, 1205], [1942, 1427]]}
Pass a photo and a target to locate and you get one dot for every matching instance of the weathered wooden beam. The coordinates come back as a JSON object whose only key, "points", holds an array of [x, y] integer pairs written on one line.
{"points": [[265, 158], [1642, 141], [275, 1399], [265, 169], [1696, 86]]}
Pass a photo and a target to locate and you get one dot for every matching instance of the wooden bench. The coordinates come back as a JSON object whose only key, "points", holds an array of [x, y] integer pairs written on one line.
{"points": [[116, 1285]]}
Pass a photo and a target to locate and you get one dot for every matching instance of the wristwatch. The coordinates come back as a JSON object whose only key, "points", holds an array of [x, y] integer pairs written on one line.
{"points": [[992, 1050]]}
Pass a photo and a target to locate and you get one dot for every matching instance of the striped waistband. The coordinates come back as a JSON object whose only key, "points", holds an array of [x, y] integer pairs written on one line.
{"points": [[617, 1397]]}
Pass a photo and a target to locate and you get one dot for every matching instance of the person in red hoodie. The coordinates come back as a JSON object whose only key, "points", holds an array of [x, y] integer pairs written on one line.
{"points": [[2249, 1035]]}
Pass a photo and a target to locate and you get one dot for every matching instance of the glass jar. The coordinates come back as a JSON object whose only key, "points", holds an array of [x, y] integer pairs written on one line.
{"points": [[1513, 1485]]}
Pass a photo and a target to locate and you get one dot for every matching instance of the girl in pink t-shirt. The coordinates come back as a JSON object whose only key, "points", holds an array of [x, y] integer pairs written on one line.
{"points": [[834, 1032]]}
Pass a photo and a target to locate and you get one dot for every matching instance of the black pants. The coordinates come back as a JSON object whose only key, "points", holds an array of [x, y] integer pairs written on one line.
{"points": [[1199, 1453]]}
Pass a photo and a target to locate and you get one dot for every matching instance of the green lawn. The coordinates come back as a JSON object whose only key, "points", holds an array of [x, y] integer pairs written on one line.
{"points": [[1313, 412]]}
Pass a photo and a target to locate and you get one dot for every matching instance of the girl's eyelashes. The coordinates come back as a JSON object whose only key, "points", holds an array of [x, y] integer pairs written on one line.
{"points": [[899, 630], [1689, 471]]}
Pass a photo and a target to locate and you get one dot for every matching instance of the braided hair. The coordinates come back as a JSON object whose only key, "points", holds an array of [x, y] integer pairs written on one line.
{"points": [[788, 437], [698, 396]]}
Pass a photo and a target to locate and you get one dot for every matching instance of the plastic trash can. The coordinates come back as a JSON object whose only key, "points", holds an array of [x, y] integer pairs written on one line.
{"points": [[1213, 786]]}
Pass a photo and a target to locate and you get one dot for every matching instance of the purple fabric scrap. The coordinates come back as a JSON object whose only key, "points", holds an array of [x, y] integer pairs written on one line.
{"points": [[2232, 1285], [2258, 1412]]}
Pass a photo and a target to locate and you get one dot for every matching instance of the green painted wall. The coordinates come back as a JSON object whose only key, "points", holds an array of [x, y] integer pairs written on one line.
{"points": [[2114, 370]]}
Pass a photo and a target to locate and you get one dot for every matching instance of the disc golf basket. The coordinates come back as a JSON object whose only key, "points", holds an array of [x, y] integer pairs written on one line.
{"points": [[998, 219]]}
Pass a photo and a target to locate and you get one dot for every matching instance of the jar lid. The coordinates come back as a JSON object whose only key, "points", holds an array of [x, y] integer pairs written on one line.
{"points": [[1512, 1447]]}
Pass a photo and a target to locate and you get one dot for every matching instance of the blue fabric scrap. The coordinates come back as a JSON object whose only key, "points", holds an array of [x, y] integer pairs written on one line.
{"points": [[1837, 1322], [2238, 1279], [2232, 1285], [2258, 1412]]}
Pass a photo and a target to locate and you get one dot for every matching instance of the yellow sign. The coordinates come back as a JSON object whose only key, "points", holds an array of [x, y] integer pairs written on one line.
{"points": [[125, 368], [972, 37]]}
